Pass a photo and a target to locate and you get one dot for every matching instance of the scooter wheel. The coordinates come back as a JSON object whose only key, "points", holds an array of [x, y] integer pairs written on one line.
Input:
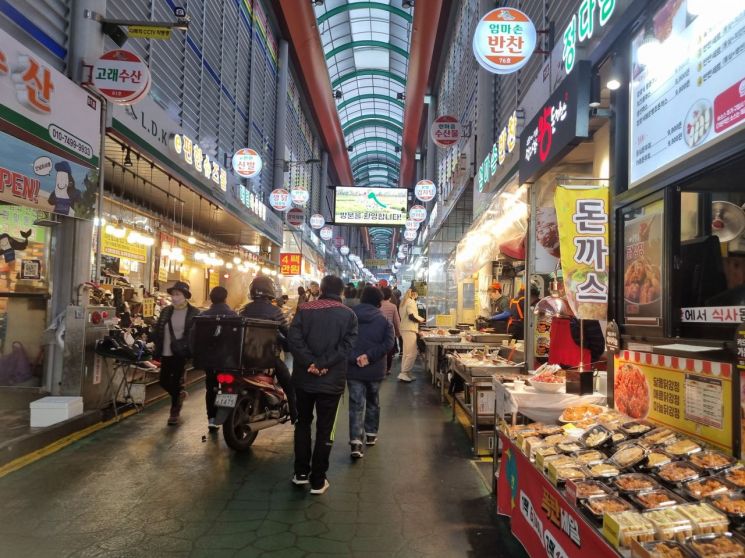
{"points": [[235, 429]]}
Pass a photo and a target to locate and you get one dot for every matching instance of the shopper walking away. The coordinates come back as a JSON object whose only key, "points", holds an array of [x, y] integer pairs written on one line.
{"points": [[171, 337], [262, 295], [314, 292], [219, 307], [410, 321], [351, 297], [367, 369], [390, 311], [321, 336], [301, 296]]}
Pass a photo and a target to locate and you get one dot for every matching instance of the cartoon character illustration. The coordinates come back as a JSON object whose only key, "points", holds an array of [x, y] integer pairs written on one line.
{"points": [[9, 245], [65, 195]]}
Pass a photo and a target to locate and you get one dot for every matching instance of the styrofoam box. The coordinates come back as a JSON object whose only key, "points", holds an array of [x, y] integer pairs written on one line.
{"points": [[51, 410]]}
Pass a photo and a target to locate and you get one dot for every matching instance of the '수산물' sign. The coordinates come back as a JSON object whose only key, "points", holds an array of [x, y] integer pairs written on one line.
{"points": [[446, 130], [504, 40], [582, 215]]}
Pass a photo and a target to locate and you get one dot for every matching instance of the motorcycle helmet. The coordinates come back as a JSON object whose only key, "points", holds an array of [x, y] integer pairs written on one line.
{"points": [[262, 287]]}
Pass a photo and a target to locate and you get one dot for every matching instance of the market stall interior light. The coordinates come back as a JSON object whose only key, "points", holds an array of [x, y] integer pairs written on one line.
{"points": [[614, 78], [191, 240]]}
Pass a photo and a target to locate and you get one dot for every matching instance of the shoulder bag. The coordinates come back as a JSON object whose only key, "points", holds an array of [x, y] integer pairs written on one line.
{"points": [[179, 347]]}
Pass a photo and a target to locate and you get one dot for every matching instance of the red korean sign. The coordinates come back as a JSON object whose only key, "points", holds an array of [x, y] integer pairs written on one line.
{"points": [[121, 76], [290, 263], [446, 131], [280, 200], [504, 40], [544, 522], [295, 217]]}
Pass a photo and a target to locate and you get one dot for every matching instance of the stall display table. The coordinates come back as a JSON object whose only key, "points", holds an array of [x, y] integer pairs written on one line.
{"points": [[537, 406], [541, 517], [477, 399]]}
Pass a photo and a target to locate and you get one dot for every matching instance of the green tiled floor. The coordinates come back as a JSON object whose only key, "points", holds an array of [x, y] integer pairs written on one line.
{"points": [[141, 488]]}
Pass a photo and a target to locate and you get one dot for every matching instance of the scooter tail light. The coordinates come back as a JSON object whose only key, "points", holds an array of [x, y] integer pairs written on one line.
{"points": [[225, 378]]}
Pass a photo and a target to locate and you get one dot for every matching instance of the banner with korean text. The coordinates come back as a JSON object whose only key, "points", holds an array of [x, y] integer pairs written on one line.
{"points": [[582, 216], [291, 263], [544, 522]]}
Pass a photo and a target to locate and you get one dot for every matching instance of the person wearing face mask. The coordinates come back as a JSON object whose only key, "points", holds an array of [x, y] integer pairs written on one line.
{"points": [[171, 335]]}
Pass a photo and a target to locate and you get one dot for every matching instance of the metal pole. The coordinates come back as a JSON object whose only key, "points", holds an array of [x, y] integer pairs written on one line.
{"points": [[281, 120], [324, 172], [99, 206]]}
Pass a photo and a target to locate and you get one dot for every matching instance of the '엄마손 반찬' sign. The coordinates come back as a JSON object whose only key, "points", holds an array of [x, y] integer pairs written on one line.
{"points": [[582, 215], [504, 40]]}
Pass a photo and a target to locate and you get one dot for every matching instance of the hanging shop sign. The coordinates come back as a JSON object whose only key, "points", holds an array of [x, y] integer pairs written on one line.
{"points": [[410, 236], [376, 263], [446, 130], [295, 217], [411, 225], [560, 123], [299, 195], [247, 163], [317, 221], [582, 27], [504, 146], [504, 40], [148, 32], [343, 250], [252, 202], [418, 213], [685, 99], [196, 157], [117, 246], [280, 200], [691, 396], [327, 233], [290, 263], [613, 337], [425, 190], [49, 136], [582, 213], [121, 76]]}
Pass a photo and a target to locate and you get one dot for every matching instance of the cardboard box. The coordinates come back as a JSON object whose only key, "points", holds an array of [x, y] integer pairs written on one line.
{"points": [[51, 410]]}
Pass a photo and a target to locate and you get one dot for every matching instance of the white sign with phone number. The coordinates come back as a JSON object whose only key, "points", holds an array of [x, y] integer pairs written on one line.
{"points": [[713, 314]]}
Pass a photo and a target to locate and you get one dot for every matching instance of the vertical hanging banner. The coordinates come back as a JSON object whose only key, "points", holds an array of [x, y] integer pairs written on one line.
{"points": [[582, 214]]}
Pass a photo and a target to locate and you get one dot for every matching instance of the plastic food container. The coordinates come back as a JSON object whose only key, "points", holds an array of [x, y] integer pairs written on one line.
{"points": [[635, 482], [570, 472], [583, 489], [706, 486], [659, 549], [550, 430], [659, 436], [723, 545], [589, 457], [670, 524], [656, 458], [730, 503], [678, 472], [621, 529], [555, 439], [736, 476], [618, 437], [712, 461], [596, 507], [682, 447], [628, 454], [604, 470], [655, 499], [596, 437], [705, 519], [634, 429], [569, 446]]}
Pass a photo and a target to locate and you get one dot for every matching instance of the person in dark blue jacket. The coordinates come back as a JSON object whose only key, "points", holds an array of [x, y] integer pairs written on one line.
{"points": [[367, 364]]}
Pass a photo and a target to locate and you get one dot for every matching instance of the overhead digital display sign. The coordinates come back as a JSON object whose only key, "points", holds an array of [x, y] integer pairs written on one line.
{"points": [[370, 206]]}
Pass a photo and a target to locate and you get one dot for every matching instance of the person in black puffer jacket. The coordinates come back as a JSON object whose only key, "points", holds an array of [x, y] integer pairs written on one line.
{"points": [[367, 367], [262, 293], [321, 336]]}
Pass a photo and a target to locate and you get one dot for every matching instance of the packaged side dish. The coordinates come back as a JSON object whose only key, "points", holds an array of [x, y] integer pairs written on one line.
{"points": [[596, 436], [604, 470], [634, 428], [655, 499], [706, 486], [659, 436], [682, 447], [705, 519], [678, 472], [670, 524], [635, 482], [732, 503], [712, 461], [736, 476], [628, 455], [589, 456], [722, 545], [659, 549], [621, 529], [583, 489], [596, 507], [656, 458]]}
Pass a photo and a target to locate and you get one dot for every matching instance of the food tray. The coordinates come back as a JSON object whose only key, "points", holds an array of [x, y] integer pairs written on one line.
{"points": [[678, 472], [580, 412], [731, 503], [635, 429], [604, 470], [704, 518], [659, 436], [555, 439], [635, 482], [736, 476], [595, 508], [712, 461], [621, 529], [569, 472], [659, 549], [655, 499], [656, 458], [670, 524], [704, 487], [682, 447], [628, 454], [596, 437], [550, 430], [618, 437], [570, 446], [583, 489], [723, 545], [589, 456]]}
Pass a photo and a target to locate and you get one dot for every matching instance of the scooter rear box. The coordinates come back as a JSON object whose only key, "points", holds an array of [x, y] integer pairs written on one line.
{"points": [[234, 343]]}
